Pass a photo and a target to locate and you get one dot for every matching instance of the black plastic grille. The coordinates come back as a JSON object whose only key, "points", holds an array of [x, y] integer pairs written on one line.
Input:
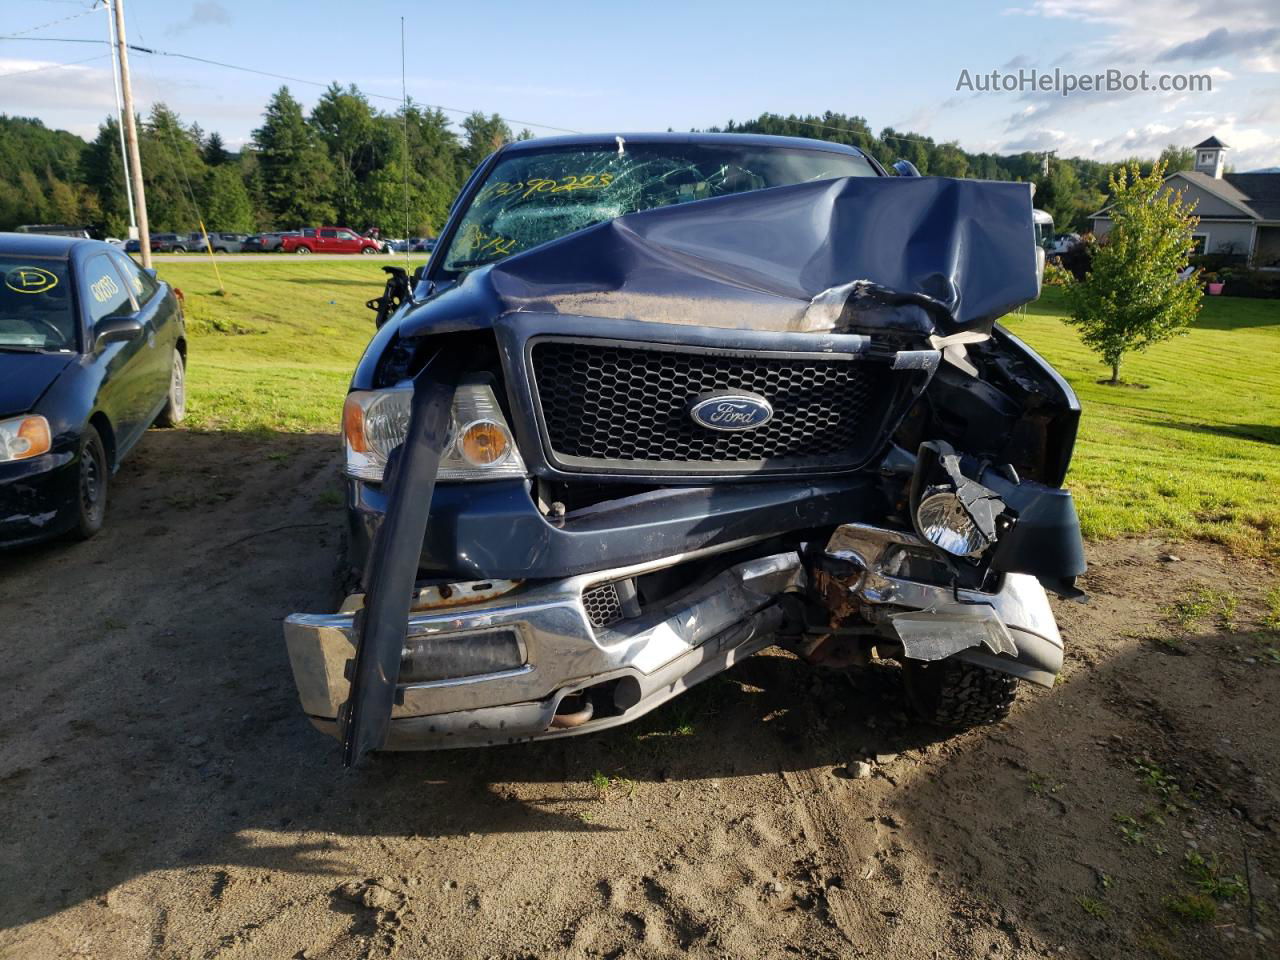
{"points": [[620, 403], [602, 604]]}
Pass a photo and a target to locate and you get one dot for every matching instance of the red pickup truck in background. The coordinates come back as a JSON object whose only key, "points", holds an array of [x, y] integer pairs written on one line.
{"points": [[329, 240]]}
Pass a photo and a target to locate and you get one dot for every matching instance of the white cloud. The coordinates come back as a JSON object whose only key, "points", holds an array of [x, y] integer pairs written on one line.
{"points": [[35, 87]]}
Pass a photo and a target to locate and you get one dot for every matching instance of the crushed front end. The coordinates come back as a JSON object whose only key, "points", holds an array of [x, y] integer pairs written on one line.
{"points": [[608, 468]]}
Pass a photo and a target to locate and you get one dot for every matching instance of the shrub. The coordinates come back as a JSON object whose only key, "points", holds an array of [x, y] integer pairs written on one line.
{"points": [[1056, 275], [1132, 296]]}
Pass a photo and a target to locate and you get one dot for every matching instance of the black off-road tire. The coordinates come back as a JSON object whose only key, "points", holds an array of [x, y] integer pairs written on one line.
{"points": [[958, 695]]}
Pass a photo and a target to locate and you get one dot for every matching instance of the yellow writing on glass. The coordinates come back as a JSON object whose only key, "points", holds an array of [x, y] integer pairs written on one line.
{"points": [[480, 242], [524, 189], [103, 289], [30, 280]]}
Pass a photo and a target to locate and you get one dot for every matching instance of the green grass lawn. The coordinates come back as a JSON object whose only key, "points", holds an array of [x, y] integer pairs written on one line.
{"points": [[276, 353], [1193, 452]]}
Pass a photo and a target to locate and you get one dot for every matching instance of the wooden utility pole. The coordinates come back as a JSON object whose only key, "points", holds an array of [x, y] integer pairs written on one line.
{"points": [[131, 136]]}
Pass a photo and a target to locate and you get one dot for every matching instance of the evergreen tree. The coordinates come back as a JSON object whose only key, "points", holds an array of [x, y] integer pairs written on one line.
{"points": [[484, 135], [228, 208], [297, 176], [357, 144], [215, 153]]}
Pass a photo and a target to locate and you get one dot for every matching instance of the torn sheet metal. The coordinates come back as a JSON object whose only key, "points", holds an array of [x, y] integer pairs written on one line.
{"points": [[917, 255], [937, 634], [982, 504]]}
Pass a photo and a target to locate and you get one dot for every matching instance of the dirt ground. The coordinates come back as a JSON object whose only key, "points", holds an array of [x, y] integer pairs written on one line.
{"points": [[161, 794]]}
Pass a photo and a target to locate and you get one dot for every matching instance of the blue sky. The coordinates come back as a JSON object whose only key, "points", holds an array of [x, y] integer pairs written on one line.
{"points": [[659, 64]]}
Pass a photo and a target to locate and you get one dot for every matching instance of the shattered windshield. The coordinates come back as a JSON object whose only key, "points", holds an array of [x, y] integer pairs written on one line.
{"points": [[530, 197]]}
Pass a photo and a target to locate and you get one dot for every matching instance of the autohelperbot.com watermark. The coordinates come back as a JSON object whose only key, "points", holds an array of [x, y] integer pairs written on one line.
{"points": [[1065, 82]]}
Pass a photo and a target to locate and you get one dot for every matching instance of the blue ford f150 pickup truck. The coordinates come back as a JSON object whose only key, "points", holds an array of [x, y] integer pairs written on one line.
{"points": [[659, 401]]}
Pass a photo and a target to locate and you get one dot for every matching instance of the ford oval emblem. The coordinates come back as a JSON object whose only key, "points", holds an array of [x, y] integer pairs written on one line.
{"points": [[730, 411]]}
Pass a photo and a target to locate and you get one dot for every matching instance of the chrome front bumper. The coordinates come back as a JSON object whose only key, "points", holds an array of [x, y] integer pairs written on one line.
{"points": [[654, 656], [557, 652]]}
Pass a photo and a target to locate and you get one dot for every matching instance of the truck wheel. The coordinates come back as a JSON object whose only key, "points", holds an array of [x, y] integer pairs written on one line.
{"points": [[175, 404], [91, 498], [179, 249], [959, 695], [367, 250], [302, 250]]}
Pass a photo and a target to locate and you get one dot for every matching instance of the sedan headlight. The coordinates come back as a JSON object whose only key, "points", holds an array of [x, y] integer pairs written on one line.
{"points": [[24, 437], [479, 447]]}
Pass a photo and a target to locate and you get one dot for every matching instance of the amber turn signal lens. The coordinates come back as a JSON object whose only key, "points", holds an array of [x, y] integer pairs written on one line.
{"points": [[353, 425], [483, 443], [33, 438]]}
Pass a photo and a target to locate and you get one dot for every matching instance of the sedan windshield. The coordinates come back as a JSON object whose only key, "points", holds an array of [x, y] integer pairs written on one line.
{"points": [[35, 305], [532, 197]]}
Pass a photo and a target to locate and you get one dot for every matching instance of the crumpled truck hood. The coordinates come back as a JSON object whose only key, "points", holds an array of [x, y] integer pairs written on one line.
{"points": [[922, 254]]}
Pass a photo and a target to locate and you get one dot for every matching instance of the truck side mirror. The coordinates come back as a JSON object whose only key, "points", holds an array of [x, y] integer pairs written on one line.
{"points": [[905, 168]]}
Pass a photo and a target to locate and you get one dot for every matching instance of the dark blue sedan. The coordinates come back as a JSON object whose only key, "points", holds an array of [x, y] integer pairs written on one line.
{"points": [[92, 352]]}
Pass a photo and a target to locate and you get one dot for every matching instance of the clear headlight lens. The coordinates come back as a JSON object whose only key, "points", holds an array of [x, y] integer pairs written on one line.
{"points": [[24, 437], [945, 523], [480, 445]]}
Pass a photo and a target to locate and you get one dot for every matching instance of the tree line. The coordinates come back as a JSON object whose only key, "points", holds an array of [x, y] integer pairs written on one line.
{"points": [[345, 162]]}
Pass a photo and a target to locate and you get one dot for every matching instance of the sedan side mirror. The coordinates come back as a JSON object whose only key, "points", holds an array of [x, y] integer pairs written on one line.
{"points": [[116, 330]]}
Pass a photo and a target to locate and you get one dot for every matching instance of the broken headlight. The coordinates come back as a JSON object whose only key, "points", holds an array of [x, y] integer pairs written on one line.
{"points": [[942, 520], [480, 445]]}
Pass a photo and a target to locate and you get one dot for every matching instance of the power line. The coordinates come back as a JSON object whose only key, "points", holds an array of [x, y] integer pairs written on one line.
{"points": [[291, 79], [51, 23]]}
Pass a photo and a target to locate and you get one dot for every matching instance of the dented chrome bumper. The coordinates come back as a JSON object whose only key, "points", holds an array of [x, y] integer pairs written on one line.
{"points": [[493, 662], [546, 648]]}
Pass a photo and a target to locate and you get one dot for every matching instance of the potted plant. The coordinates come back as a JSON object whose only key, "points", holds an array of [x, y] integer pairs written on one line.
{"points": [[1213, 283]]}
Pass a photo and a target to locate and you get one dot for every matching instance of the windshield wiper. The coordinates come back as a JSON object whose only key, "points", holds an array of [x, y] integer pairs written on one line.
{"points": [[473, 262]]}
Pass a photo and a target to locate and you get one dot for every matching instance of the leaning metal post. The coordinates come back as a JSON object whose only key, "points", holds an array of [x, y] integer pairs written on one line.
{"points": [[392, 570]]}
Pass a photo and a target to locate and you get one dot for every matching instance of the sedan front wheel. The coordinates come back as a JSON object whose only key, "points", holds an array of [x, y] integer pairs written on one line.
{"points": [[91, 500]]}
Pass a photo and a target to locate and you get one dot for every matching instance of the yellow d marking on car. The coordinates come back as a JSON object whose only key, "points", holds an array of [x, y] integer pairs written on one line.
{"points": [[30, 280], [103, 289]]}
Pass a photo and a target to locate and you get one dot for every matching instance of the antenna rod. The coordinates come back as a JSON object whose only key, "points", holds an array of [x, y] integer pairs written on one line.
{"points": [[404, 93], [131, 137]]}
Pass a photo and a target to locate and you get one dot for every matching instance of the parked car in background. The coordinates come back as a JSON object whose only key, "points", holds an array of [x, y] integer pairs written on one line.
{"points": [[1061, 243], [423, 245], [218, 242], [54, 230], [115, 242], [265, 242], [169, 243], [92, 352], [329, 240]]}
